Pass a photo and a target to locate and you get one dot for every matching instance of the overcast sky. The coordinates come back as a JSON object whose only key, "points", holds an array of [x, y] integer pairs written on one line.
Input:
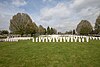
{"points": [[64, 15]]}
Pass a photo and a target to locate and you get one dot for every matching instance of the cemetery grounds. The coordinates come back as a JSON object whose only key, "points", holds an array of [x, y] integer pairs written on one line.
{"points": [[50, 54]]}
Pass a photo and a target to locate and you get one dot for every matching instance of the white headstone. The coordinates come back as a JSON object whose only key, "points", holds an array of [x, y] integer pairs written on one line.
{"points": [[60, 39], [42, 39], [71, 39], [46, 39], [53, 39], [57, 39], [75, 39], [79, 39], [36, 39], [82, 39], [68, 39], [64, 40], [50, 39], [87, 39]]}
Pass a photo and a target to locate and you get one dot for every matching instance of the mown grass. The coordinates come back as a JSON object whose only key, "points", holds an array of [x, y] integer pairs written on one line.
{"points": [[29, 54]]}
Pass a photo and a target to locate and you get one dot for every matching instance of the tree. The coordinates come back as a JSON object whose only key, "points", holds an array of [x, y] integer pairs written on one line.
{"points": [[31, 29], [21, 23], [59, 32], [48, 30], [69, 32], [53, 31], [74, 32], [41, 30], [97, 25], [4, 32], [84, 27]]}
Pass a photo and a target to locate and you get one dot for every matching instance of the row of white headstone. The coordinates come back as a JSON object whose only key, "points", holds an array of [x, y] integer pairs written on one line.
{"points": [[53, 39], [8, 40], [16, 39], [64, 39]]}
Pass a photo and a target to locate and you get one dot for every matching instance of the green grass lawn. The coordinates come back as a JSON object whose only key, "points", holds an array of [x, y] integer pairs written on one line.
{"points": [[29, 54]]}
